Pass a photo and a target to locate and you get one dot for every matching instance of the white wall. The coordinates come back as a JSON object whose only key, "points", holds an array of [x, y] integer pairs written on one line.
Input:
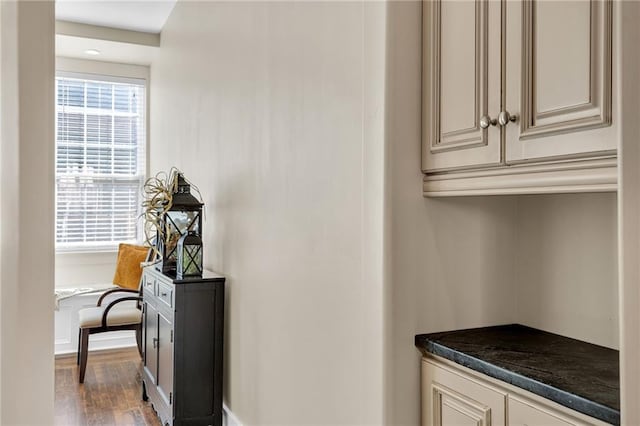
{"points": [[26, 209], [566, 265], [77, 269], [270, 108]]}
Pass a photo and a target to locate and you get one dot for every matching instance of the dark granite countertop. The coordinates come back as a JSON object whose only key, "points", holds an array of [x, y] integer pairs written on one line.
{"points": [[576, 374]]}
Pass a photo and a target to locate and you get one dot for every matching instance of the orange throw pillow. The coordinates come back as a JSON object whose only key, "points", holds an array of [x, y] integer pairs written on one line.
{"points": [[128, 270]]}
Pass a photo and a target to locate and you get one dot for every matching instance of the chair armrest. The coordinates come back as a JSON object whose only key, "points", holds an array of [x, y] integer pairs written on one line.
{"points": [[112, 304], [115, 290]]}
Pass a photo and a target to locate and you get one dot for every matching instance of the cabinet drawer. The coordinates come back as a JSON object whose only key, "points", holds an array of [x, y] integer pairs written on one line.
{"points": [[148, 283], [165, 293]]}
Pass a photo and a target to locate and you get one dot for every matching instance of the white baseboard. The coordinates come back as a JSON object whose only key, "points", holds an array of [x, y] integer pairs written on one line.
{"points": [[66, 328], [228, 418]]}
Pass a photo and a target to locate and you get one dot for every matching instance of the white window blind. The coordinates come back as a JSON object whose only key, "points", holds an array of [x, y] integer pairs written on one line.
{"points": [[100, 142]]}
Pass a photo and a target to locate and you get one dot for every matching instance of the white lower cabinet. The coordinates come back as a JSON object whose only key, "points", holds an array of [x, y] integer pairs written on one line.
{"points": [[527, 413], [456, 396], [449, 398]]}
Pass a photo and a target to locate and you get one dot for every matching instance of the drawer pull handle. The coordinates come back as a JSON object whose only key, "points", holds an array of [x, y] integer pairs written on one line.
{"points": [[163, 294], [155, 342]]}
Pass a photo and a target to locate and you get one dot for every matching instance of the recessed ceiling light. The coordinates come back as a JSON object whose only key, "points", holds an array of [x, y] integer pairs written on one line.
{"points": [[92, 52]]}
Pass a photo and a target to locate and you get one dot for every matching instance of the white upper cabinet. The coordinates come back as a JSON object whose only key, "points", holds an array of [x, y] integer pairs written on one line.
{"points": [[461, 84], [558, 78], [518, 96]]}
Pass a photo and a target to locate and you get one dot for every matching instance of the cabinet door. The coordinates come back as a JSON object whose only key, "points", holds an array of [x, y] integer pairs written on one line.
{"points": [[559, 80], [451, 399], [150, 341], [165, 358], [529, 414], [461, 83]]}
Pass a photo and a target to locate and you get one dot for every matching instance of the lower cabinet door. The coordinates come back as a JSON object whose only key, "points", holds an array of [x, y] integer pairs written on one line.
{"points": [[525, 413], [165, 358], [150, 341], [451, 399]]}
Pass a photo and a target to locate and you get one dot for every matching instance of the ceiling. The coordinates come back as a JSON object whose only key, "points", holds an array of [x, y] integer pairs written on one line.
{"points": [[141, 15]]}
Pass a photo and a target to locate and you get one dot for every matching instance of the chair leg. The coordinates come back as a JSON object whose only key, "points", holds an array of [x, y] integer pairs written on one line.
{"points": [[84, 351], [78, 356], [139, 338]]}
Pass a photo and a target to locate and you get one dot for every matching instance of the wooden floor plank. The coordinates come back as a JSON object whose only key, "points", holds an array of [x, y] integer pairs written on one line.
{"points": [[110, 395]]}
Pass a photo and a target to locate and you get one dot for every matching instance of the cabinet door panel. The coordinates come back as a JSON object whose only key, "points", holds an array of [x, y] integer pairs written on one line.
{"points": [[165, 358], [562, 63], [150, 341], [458, 81], [558, 78], [452, 408], [461, 83], [451, 399]]}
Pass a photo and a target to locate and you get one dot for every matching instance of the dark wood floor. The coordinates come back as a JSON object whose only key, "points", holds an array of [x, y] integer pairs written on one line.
{"points": [[110, 395]]}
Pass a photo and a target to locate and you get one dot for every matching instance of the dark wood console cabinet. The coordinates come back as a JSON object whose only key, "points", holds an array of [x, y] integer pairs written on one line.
{"points": [[182, 347]]}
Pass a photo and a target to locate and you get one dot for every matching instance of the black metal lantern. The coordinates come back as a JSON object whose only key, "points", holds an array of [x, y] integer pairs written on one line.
{"points": [[185, 215], [189, 256]]}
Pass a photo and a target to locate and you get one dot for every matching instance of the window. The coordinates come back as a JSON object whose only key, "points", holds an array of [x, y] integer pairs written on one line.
{"points": [[100, 144]]}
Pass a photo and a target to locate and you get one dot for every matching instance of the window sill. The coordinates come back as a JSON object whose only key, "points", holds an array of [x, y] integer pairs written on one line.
{"points": [[71, 252]]}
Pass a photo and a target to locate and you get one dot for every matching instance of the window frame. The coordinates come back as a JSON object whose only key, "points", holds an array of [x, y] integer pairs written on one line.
{"points": [[113, 73]]}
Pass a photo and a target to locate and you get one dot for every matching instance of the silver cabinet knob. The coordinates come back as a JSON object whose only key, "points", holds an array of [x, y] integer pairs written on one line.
{"points": [[504, 118], [486, 121]]}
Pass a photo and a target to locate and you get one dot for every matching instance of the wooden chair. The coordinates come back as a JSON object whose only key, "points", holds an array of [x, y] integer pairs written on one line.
{"points": [[113, 317]]}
